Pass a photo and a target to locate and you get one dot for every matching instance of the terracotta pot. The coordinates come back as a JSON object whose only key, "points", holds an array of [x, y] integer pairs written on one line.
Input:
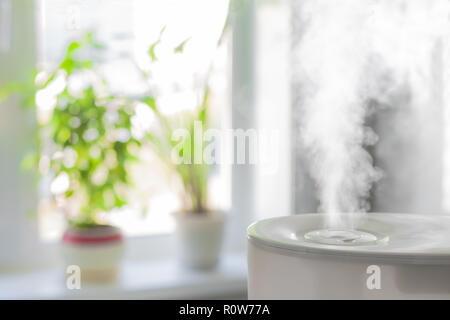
{"points": [[199, 238], [97, 250]]}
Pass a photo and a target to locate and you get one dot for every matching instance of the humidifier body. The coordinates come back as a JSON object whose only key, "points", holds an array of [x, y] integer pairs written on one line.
{"points": [[414, 263]]}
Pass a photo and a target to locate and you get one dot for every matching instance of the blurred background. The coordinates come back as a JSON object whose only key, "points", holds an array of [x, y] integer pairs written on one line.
{"points": [[243, 50]]}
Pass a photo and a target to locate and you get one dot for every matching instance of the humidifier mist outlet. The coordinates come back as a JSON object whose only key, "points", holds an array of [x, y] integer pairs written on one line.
{"points": [[345, 237]]}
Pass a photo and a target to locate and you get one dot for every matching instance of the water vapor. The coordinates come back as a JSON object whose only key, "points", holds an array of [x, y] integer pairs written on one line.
{"points": [[351, 53]]}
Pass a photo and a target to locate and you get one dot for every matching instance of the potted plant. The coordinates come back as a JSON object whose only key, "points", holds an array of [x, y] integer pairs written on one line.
{"points": [[84, 144], [199, 228]]}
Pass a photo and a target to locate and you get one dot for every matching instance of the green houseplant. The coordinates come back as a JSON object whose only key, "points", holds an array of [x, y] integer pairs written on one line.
{"points": [[179, 141], [84, 141]]}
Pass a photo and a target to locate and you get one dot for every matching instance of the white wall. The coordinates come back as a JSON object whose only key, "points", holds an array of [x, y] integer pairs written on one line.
{"points": [[19, 243], [273, 109]]}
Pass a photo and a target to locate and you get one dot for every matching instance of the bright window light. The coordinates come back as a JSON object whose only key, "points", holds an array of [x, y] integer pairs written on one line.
{"points": [[128, 28]]}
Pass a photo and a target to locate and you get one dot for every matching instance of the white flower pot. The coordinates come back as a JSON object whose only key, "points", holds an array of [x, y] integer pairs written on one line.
{"points": [[199, 238], [96, 250]]}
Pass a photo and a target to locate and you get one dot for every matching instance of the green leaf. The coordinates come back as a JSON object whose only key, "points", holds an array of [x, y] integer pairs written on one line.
{"points": [[162, 31], [62, 135], [69, 193], [180, 47], [151, 50], [68, 65], [202, 116], [150, 101], [73, 46]]}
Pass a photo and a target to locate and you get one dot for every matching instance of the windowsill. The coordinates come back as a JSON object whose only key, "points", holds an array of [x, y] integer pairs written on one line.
{"points": [[161, 279]]}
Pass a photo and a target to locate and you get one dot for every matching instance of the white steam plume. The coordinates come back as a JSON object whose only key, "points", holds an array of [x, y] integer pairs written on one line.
{"points": [[346, 48]]}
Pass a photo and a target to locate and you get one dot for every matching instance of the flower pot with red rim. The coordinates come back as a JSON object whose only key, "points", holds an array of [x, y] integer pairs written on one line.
{"points": [[97, 250]]}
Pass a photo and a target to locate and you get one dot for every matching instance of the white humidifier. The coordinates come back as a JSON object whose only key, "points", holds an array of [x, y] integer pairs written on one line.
{"points": [[385, 256]]}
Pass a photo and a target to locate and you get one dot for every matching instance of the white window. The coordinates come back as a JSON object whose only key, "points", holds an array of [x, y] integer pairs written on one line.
{"points": [[127, 28]]}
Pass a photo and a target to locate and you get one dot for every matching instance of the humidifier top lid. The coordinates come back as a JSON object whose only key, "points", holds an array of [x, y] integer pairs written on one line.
{"points": [[397, 238]]}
